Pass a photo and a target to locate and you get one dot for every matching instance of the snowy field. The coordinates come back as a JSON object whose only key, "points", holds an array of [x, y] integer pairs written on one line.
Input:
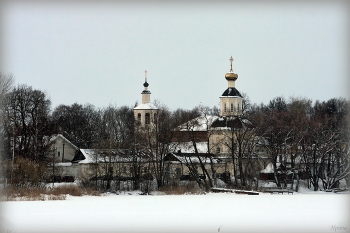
{"points": [[213, 212]]}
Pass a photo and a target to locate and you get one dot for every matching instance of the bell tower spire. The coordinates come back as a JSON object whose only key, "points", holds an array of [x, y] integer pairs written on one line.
{"points": [[146, 94], [230, 76], [146, 113], [231, 99]]}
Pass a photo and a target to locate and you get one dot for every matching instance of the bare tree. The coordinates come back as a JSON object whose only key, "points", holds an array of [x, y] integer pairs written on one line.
{"points": [[158, 139], [337, 166], [78, 123], [6, 84], [194, 132], [27, 121], [239, 136], [273, 125], [115, 135]]}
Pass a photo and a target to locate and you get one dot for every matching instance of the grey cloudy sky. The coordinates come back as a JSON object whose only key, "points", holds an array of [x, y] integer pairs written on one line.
{"points": [[96, 52]]}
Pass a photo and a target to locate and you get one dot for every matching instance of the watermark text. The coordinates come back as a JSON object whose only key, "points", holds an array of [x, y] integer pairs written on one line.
{"points": [[337, 228]]}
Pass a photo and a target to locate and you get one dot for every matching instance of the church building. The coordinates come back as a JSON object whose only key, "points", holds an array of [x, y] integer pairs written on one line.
{"points": [[222, 130], [215, 128], [225, 137]]}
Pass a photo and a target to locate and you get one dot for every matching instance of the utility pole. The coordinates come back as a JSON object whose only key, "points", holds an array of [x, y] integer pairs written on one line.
{"points": [[13, 152]]}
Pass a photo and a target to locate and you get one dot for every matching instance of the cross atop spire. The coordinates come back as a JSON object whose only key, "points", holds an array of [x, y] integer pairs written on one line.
{"points": [[146, 83], [231, 60], [230, 76]]}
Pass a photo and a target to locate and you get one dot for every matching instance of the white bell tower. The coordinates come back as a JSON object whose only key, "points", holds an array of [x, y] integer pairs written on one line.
{"points": [[231, 100], [146, 113]]}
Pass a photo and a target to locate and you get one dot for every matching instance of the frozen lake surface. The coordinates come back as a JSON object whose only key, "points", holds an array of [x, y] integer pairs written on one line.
{"points": [[213, 212]]}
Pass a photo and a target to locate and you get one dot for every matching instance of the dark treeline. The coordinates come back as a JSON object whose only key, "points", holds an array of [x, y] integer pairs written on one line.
{"points": [[310, 138], [302, 135], [27, 114]]}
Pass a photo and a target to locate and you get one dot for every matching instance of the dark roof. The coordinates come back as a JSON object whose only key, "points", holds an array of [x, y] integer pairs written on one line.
{"points": [[78, 157], [191, 157], [232, 91], [232, 122]]}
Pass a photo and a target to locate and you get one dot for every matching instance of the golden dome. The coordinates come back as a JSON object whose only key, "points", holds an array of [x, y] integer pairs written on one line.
{"points": [[231, 76]]}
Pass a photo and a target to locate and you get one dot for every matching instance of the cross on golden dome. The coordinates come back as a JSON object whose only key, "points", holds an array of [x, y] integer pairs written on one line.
{"points": [[231, 60]]}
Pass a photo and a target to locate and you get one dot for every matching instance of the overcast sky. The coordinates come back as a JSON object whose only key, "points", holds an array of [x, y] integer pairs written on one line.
{"points": [[97, 52]]}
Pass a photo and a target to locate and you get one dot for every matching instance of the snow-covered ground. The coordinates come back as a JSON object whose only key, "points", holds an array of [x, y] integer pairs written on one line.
{"points": [[213, 212]]}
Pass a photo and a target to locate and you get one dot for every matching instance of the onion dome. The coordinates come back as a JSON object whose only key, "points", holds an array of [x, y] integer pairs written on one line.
{"points": [[230, 75], [146, 91]]}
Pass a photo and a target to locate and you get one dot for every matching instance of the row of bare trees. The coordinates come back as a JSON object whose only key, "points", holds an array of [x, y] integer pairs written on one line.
{"points": [[28, 122], [305, 140]]}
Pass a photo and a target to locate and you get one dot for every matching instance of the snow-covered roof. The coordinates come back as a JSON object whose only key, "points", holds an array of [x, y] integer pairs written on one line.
{"points": [[187, 147], [102, 155], [54, 137], [201, 123], [146, 106]]}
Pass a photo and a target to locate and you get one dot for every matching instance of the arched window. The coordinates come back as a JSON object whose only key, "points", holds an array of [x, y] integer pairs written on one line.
{"points": [[238, 108], [224, 107], [218, 150], [147, 119], [231, 107], [139, 118]]}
